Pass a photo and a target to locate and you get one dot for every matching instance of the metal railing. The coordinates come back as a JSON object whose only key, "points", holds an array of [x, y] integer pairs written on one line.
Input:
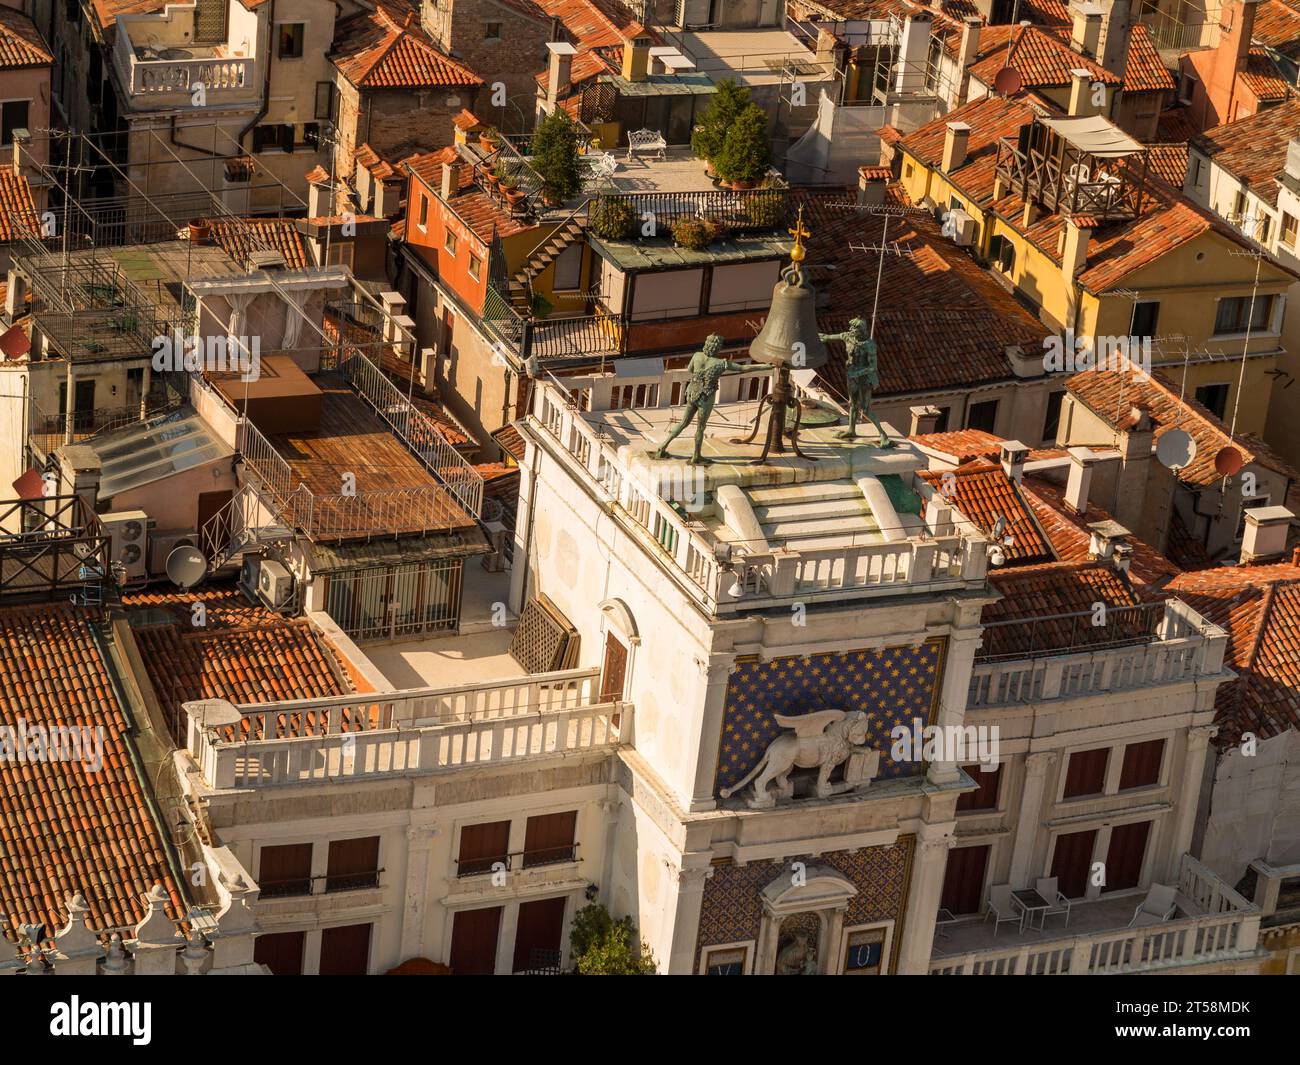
{"points": [[526, 860], [740, 210], [1059, 634]]}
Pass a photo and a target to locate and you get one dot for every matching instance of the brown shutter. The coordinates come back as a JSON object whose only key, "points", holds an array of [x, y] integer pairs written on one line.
{"points": [[353, 864], [345, 951], [281, 952], [963, 880], [537, 938], [1128, 846], [481, 845], [986, 797], [1141, 764], [474, 941], [285, 870], [549, 838], [614, 671], [1071, 862], [1086, 772]]}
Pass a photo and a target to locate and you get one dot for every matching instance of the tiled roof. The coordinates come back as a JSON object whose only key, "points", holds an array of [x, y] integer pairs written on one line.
{"points": [[386, 49], [21, 44], [1277, 24], [244, 655], [1184, 549], [1168, 162], [1169, 219], [1259, 606], [466, 120], [240, 237], [595, 23], [1175, 126], [17, 208], [943, 322], [508, 437], [1042, 58], [961, 443], [1112, 394], [983, 492], [1254, 149], [1144, 70], [66, 826], [379, 168], [1263, 78], [473, 206]]}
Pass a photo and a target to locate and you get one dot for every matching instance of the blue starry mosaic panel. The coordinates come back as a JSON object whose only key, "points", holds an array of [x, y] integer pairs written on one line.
{"points": [[892, 685]]}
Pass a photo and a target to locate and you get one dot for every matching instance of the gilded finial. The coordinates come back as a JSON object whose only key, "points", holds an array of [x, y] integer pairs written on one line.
{"points": [[799, 231]]}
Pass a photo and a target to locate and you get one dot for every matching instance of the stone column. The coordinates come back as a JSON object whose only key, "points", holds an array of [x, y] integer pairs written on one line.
{"points": [[952, 698], [419, 847], [717, 675], [1030, 816], [1189, 796], [922, 904], [523, 528], [686, 919]]}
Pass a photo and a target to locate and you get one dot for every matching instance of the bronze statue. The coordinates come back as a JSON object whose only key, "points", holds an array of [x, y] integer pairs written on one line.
{"points": [[863, 378], [707, 370]]}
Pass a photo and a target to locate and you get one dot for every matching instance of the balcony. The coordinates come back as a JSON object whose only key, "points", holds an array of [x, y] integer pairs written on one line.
{"points": [[159, 65], [1068, 656], [1213, 926], [428, 730]]}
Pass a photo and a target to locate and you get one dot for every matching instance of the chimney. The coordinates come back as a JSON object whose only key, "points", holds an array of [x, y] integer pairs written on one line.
{"points": [[955, 140], [1086, 35], [871, 184], [1116, 30], [317, 204], [913, 53], [1131, 489], [80, 467], [1013, 455], [559, 74], [1074, 253], [1266, 532], [1080, 92], [1079, 481], [966, 53], [1293, 162], [387, 196], [450, 180], [1104, 537], [925, 420], [636, 59]]}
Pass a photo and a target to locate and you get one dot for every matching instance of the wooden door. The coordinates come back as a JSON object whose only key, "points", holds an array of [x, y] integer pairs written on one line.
{"points": [[474, 941], [345, 951], [281, 952], [614, 671], [963, 881], [1071, 862], [1124, 856], [537, 938]]}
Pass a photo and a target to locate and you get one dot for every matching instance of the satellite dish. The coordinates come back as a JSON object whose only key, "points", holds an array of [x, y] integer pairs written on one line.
{"points": [[186, 566], [1228, 461], [1007, 81], [1176, 449]]}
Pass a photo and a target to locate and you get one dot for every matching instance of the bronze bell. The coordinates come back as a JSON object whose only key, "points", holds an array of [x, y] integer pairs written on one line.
{"points": [[789, 335]]}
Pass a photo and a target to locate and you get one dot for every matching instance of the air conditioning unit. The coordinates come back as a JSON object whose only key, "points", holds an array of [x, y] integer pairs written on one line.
{"points": [[128, 542], [162, 544], [961, 226], [267, 581]]}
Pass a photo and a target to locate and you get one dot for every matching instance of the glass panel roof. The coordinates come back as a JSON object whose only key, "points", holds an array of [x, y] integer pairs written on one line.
{"points": [[151, 450]]}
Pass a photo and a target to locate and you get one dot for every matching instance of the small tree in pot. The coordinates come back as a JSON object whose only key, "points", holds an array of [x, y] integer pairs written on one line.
{"points": [[555, 156], [714, 121], [746, 153]]}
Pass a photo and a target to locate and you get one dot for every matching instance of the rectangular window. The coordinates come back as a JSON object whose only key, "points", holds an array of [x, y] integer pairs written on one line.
{"points": [[1237, 313], [1052, 419], [290, 36], [864, 954], [340, 254], [353, 864], [941, 424], [549, 838], [491, 31], [983, 416], [1213, 398], [986, 796], [1086, 772], [325, 100], [285, 870], [728, 962], [568, 269], [1239, 208], [963, 880], [475, 266], [450, 243], [1124, 856], [13, 116], [1145, 316], [424, 212], [1289, 226], [1141, 766], [474, 941], [481, 846]]}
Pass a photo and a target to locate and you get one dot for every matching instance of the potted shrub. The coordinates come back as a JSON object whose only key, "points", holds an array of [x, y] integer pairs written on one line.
{"points": [[711, 129], [555, 157], [489, 140], [765, 207], [612, 218], [746, 153], [696, 233], [510, 188]]}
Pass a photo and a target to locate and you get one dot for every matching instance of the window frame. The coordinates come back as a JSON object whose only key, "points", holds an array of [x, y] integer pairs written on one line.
{"points": [[7, 131], [1082, 796], [279, 39]]}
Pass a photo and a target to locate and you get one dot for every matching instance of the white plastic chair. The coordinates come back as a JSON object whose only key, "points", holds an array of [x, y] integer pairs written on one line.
{"points": [[1158, 907], [1047, 887]]}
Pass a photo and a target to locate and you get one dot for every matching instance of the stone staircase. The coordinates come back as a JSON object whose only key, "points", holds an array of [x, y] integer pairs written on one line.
{"points": [[814, 516]]}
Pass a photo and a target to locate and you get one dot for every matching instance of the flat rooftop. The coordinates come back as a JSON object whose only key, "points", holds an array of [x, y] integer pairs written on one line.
{"points": [[677, 171], [752, 57]]}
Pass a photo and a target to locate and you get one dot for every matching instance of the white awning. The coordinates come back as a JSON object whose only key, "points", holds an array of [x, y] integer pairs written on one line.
{"points": [[1094, 135]]}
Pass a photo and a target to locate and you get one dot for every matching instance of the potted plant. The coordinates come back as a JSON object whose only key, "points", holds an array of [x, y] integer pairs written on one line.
{"points": [[555, 157], [765, 207], [509, 185], [696, 233], [200, 231], [490, 177], [489, 139], [612, 218], [746, 153], [714, 121]]}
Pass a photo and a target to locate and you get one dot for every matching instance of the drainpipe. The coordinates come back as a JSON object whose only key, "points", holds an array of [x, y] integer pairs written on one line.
{"points": [[266, 84]]}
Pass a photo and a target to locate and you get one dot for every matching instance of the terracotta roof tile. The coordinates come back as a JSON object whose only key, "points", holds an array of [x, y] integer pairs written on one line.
{"points": [[1169, 163], [1042, 58], [17, 208], [21, 44], [386, 49], [1254, 149], [1277, 24], [508, 437], [473, 206], [983, 492], [1263, 78], [961, 443], [240, 237], [67, 826], [1144, 70]]}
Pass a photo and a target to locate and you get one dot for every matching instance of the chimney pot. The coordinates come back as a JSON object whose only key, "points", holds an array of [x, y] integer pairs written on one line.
{"points": [[1013, 455], [1104, 537], [1079, 481], [925, 420], [1080, 92], [1265, 534], [1086, 32]]}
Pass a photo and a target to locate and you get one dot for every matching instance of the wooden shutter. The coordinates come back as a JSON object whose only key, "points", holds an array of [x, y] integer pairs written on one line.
{"points": [[353, 864], [474, 941], [285, 870], [481, 845], [1071, 862], [1128, 847], [1141, 764], [986, 797], [1086, 772], [963, 880], [550, 838], [614, 671], [281, 952], [345, 951], [537, 937]]}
